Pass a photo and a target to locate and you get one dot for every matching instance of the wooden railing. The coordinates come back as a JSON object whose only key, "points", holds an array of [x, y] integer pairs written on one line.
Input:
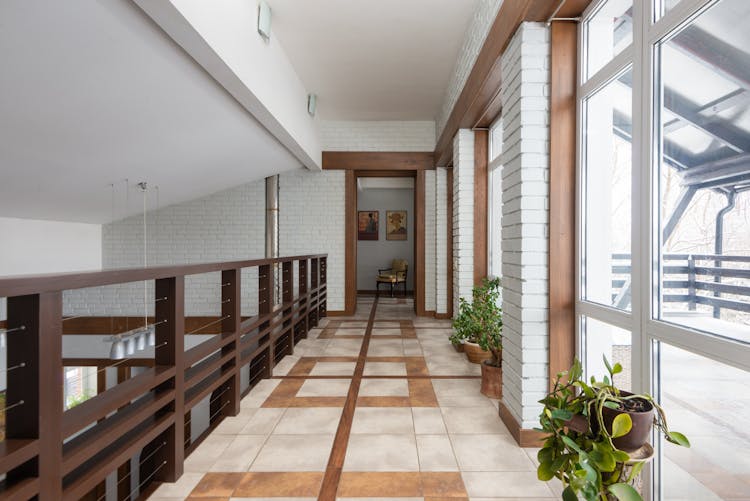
{"points": [[56, 454], [723, 279]]}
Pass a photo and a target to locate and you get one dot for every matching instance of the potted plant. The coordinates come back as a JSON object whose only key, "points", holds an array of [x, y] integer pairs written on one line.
{"points": [[598, 436], [479, 327]]}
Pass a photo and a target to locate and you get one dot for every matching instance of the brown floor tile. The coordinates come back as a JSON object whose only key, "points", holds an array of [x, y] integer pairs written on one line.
{"points": [[299, 484], [385, 484], [317, 402], [302, 367], [194, 498], [446, 499], [416, 366], [443, 484], [217, 485], [287, 388], [421, 393], [383, 402]]}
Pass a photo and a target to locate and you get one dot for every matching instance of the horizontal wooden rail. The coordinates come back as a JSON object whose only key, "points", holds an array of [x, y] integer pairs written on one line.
{"points": [[55, 454]]}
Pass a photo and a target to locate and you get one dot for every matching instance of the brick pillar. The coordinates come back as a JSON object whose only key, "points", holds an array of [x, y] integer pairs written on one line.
{"points": [[463, 216]]}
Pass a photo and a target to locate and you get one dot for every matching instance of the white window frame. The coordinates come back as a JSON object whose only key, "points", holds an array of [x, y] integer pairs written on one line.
{"points": [[492, 165], [645, 329]]}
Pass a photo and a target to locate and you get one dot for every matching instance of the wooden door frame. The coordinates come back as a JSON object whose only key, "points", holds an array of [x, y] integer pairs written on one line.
{"points": [[381, 164]]}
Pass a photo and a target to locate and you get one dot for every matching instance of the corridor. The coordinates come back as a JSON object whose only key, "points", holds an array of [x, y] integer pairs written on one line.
{"points": [[373, 406]]}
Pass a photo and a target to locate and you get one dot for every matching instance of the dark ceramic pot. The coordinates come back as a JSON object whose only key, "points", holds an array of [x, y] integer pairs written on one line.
{"points": [[641, 430]]}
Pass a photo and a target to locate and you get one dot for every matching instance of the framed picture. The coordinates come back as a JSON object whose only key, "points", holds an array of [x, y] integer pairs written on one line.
{"points": [[395, 225], [367, 225]]}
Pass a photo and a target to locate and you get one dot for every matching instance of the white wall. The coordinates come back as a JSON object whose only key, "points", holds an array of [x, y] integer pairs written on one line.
{"points": [[31, 246], [430, 234], [463, 216], [373, 255], [377, 135]]}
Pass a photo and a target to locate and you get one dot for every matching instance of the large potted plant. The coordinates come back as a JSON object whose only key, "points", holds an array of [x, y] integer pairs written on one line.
{"points": [[598, 436], [479, 325]]}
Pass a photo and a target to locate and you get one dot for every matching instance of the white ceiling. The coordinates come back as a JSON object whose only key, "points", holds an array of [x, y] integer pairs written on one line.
{"points": [[92, 92], [373, 60]]}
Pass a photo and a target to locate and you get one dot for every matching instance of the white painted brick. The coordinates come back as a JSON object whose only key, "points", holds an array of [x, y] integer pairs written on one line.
{"points": [[377, 135]]}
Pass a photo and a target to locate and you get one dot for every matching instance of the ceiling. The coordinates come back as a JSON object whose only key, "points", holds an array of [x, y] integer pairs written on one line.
{"points": [[373, 60], [93, 92]]}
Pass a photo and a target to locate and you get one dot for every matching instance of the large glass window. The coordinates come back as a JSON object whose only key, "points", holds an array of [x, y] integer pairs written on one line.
{"points": [[664, 225], [495, 212], [704, 173], [607, 170], [708, 401]]}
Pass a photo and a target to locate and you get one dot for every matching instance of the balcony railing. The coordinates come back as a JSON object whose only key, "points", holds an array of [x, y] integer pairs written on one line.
{"points": [[57, 454], [718, 281]]}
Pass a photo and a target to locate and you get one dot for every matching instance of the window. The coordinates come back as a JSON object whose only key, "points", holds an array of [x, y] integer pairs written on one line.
{"points": [[495, 206], [664, 224]]}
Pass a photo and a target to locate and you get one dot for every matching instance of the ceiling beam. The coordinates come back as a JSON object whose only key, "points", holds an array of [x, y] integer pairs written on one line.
{"points": [[378, 160], [480, 92], [738, 98], [723, 172]]}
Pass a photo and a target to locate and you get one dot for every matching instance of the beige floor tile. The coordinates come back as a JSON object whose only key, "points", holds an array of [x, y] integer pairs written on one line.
{"points": [[262, 422], [324, 388], [495, 452], [386, 325], [240, 453], [180, 489], [294, 453], [385, 369], [473, 420], [343, 348], [384, 388], [381, 453], [392, 420], [309, 421], [378, 330], [270, 499], [233, 425], [510, 484], [201, 460], [379, 499], [259, 393], [385, 348], [285, 364], [428, 421], [435, 453], [354, 323], [333, 369]]}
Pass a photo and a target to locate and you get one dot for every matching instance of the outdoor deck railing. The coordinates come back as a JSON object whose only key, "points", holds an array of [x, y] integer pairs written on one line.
{"points": [[718, 281], [56, 454]]}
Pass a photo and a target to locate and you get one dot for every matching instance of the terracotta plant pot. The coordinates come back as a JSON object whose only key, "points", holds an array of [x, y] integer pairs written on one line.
{"points": [[492, 380], [475, 354], [639, 434], [459, 347]]}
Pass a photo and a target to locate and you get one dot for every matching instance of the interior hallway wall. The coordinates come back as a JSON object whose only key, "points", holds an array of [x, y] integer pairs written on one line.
{"points": [[378, 254]]}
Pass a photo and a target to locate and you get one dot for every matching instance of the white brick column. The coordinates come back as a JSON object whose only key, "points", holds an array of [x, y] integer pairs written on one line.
{"points": [[441, 240], [463, 216], [429, 241], [525, 230]]}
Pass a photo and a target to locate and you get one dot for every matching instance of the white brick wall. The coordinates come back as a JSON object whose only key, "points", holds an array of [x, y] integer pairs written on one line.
{"points": [[441, 240], [429, 241], [525, 232], [484, 16], [377, 135], [463, 215], [225, 226], [311, 220]]}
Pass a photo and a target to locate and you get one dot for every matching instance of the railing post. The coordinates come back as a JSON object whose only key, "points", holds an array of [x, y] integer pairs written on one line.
{"points": [[170, 351], [287, 296], [302, 292], [39, 385], [231, 306], [323, 305], [691, 282], [314, 269], [265, 293]]}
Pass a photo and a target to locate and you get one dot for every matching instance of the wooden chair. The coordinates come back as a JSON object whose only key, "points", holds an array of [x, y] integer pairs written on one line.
{"points": [[394, 275]]}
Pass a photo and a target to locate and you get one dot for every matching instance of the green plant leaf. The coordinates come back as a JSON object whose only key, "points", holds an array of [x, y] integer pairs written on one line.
{"points": [[617, 368], [611, 405], [562, 414], [624, 492], [621, 425], [545, 455], [620, 456], [606, 363], [545, 472], [678, 438], [635, 470], [571, 443], [569, 495]]}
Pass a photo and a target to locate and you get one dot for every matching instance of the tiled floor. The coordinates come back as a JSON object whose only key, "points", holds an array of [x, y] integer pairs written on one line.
{"points": [[400, 418]]}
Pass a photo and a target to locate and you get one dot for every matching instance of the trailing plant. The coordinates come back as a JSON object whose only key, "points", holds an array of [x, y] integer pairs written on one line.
{"points": [[580, 450], [481, 321]]}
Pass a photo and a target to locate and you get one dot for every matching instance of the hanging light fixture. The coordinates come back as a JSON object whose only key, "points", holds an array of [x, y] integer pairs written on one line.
{"points": [[130, 345], [140, 343], [151, 336], [117, 352]]}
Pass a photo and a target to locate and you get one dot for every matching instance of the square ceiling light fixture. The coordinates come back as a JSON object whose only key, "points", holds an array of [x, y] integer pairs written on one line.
{"points": [[264, 20]]}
